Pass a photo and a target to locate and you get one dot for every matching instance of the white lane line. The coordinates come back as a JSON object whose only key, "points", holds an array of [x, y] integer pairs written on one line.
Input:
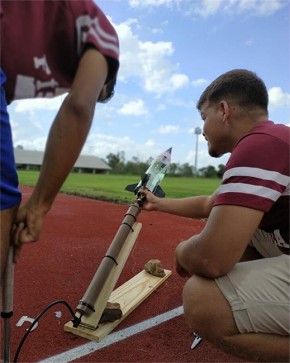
{"points": [[116, 337]]}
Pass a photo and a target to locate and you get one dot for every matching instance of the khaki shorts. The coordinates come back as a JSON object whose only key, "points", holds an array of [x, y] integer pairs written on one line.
{"points": [[258, 291]]}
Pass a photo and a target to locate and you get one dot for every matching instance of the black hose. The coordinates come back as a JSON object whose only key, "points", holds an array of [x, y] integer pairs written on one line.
{"points": [[37, 319]]}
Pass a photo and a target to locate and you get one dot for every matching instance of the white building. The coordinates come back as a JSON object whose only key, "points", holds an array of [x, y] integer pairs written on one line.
{"points": [[27, 159]]}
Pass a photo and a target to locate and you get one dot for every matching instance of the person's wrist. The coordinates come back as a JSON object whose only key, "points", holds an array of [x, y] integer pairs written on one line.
{"points": [[159, 205], [38, 206]]}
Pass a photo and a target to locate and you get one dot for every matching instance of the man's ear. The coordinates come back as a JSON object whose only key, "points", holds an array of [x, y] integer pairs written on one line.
{"points": [[224, 109]]}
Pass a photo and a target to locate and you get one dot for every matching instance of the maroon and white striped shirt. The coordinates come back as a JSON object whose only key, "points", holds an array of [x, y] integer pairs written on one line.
{"points": [[257, 176], [42, 43]]}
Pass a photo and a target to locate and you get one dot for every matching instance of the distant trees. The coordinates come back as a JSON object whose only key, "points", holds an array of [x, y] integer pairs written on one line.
{"points": [[116, 162], [136, 167]]}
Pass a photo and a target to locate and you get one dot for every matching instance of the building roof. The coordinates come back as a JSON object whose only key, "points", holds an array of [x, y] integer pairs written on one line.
{"points": [[32, 157]]}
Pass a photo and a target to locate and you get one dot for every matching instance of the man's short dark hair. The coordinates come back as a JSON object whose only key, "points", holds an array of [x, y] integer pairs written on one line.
{"points": [[108, 91], [240, 86]]}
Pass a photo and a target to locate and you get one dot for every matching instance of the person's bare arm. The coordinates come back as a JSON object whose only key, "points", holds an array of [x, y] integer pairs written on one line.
{"points": [[192, 207], [221, 244], [65, 141]]}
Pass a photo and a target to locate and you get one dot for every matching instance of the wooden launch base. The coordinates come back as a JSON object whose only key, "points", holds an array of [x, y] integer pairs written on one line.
{"points": [[129, 296]]}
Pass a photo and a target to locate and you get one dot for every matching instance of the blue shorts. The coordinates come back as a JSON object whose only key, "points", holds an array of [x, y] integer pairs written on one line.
{"points": [[10, 195]]}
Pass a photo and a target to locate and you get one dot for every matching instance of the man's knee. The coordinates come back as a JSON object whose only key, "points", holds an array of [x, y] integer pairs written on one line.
{"points": [[193, 295], [205, 308], [196, 301]]}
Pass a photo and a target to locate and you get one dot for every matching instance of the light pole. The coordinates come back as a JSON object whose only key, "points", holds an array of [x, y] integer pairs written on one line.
{"points": [[197, 132]]}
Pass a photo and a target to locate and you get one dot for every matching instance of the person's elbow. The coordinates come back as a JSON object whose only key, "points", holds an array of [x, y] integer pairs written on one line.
{"points": [[79, 108], [212, 269]]}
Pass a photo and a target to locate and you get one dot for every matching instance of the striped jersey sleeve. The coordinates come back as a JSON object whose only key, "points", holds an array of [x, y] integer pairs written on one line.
{"points": [[257, 173], [93, 27], [252, 187], [55, 37]]}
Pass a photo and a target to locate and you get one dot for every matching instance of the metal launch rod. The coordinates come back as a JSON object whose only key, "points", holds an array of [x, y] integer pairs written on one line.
{"points": [[7, 302], [86, 304]]}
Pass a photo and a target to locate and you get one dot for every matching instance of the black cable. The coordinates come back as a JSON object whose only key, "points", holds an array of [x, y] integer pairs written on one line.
{"points": [[36, 320]]}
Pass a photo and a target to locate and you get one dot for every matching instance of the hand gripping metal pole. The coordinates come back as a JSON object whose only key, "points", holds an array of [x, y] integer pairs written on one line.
{"points": [[7, 302]]}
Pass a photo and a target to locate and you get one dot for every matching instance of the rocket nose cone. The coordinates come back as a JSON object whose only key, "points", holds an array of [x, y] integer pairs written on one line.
{"points": [[169, 150]]}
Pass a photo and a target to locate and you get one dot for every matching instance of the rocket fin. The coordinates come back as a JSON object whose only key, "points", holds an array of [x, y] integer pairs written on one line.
{"points": [[131, 187], [159, 192]]}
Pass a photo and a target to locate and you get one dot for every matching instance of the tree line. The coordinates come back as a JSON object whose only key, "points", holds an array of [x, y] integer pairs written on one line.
{"points": [[136, 167]]}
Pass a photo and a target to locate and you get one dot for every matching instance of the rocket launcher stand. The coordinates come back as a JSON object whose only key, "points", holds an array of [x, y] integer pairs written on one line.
{"points": [[100, 290]]}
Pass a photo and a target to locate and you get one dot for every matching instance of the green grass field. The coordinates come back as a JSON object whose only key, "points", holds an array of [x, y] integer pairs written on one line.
{"points": [[112, 187]]}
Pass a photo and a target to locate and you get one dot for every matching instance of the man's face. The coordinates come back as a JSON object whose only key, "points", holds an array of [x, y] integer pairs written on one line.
{"points": [[213, 128]]}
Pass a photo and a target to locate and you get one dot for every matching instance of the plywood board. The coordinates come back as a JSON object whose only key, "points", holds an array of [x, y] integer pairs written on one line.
{"points": [[129, 295]]}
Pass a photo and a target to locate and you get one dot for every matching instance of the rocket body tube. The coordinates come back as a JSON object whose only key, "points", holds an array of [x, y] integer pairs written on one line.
{"points": [[86, 304], [154, 175]]}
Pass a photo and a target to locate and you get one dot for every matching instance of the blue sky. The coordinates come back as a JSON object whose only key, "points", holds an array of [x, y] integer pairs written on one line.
{"points": [[170, 51]]}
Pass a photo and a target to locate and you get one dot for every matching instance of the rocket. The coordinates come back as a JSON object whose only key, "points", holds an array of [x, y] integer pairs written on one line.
{"points": [[153, 175], [151, 180]]}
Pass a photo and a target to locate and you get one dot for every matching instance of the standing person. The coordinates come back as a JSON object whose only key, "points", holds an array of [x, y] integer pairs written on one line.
{"points": [[49, 48], [237, 294]]}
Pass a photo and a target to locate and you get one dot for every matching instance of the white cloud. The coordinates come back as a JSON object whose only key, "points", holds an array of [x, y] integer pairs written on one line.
{"points": [[133, 108], [199, 82], [207, 8], [259, 7], [148, 61], [32, 137], [30, 105], [152, 3], [160, 81], [168, 129], [179, 80], [36, 143], [129, 45], [161, 107], [157, 31], [102, 145], [277, 98]]}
